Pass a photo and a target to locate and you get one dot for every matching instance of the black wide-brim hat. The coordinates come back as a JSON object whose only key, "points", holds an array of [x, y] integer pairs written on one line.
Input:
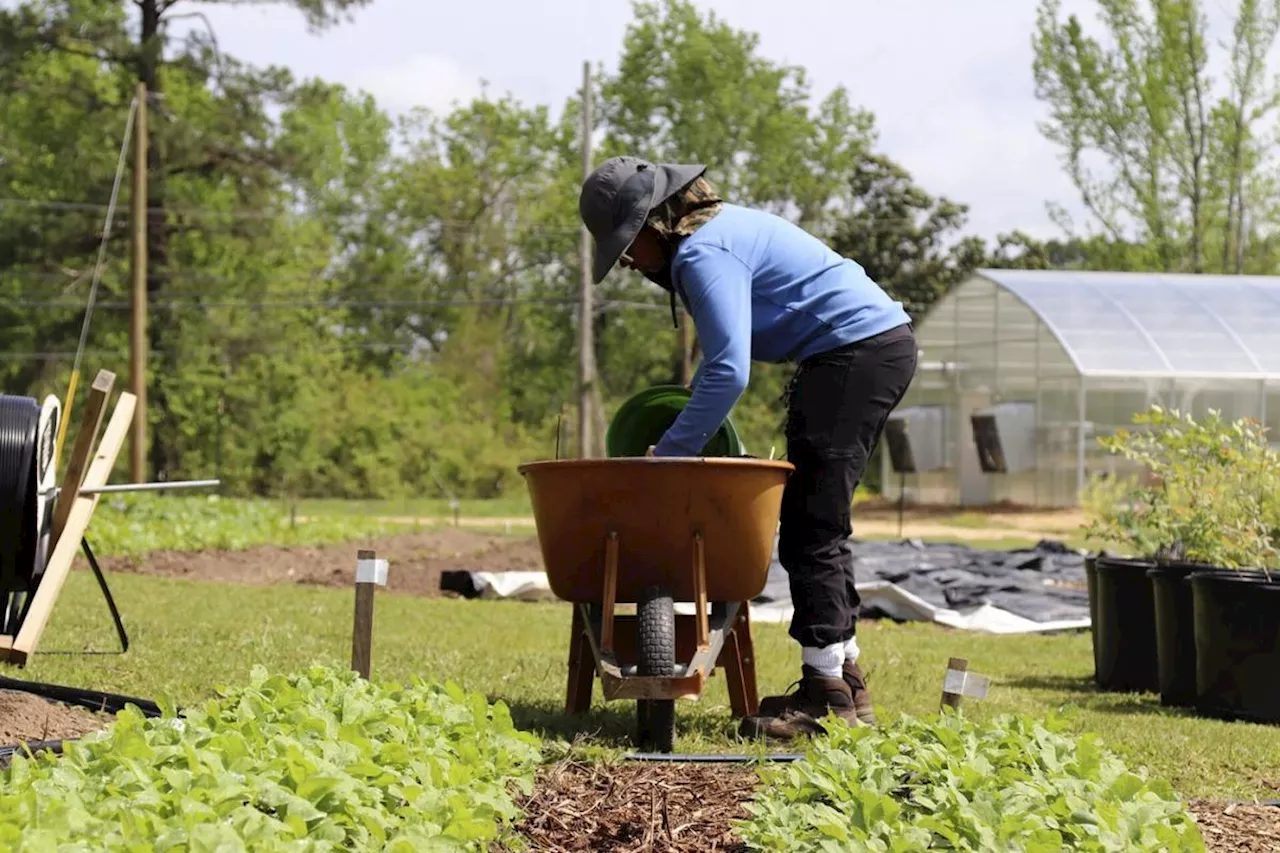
{"points": [[618, 197]]}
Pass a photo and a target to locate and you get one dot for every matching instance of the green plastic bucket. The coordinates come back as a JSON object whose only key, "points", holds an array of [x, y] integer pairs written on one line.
{"points": [[642, 420]]}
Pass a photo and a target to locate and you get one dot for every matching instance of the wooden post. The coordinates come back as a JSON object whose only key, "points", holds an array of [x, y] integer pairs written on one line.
{"points": [[952, 699], [370, 572], [138, 300]]}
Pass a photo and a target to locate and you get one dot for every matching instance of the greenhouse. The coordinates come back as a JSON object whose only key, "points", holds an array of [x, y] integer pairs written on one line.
{"points": [[1021, 372]]}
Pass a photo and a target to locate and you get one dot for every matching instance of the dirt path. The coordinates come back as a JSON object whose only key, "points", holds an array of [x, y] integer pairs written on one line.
{"points": [[418, 560], [1006, 527]]}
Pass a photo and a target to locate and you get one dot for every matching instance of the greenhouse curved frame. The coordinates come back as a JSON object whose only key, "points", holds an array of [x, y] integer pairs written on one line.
{"points": [[1049, 361]]}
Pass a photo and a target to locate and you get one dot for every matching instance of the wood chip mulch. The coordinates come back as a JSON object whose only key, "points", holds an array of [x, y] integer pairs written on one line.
{"points": [[1236, 828], [690, 808], [663, 808]]}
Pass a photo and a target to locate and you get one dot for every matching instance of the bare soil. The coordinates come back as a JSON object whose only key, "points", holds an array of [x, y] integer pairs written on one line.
{"points": [[417, 561], [662, 808], [27, 718]]}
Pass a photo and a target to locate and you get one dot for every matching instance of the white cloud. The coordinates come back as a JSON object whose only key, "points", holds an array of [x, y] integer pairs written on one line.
{"points": [[419, 80], [949, 80]]}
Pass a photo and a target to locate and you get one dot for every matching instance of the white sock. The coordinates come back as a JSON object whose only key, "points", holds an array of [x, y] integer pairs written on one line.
{"points": [[851, 650], [827, 660]]}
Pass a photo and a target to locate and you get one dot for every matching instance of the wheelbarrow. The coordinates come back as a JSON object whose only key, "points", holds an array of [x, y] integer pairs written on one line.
{"points": [[655, 532]]}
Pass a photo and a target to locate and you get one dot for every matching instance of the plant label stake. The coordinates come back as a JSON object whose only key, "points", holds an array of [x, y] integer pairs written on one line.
{"points": [[958, 682], [370, 572]]}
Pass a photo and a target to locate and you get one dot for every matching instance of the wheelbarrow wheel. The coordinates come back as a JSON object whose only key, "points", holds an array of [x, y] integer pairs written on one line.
{"points": [[656, 624]]}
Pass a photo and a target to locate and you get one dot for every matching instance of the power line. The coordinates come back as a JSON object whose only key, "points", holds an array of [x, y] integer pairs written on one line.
{"points": [[200, 304], [890, 223]]}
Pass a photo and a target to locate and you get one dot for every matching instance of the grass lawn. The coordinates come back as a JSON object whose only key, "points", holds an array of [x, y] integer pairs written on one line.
{"points": [[514, 506], [189, 637]]}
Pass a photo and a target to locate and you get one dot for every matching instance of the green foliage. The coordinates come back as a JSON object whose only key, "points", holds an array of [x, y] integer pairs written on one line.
{"points": [[1206, 491], [312, 761], [134, 525], [1181, 159], [1013, 783], [346, 306]]}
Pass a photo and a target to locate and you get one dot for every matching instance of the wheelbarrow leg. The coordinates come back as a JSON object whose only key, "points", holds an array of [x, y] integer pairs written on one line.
{"points": [[738, 660], [581, 666]]}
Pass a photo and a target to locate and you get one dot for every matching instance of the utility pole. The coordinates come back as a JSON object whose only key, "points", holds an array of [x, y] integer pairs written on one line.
{"points": [[586, 311], [138, 300]]}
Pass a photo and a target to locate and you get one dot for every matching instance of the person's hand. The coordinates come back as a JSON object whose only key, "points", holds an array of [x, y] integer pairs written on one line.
{"points": [[649, 452]]}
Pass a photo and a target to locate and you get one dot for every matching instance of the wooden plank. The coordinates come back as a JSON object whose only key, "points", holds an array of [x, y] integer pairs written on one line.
{"points": [[90, 422], [582, 674], [747, 652], [700, 587], [610, 592], [687, 687], [59, 565], [737, 659]]}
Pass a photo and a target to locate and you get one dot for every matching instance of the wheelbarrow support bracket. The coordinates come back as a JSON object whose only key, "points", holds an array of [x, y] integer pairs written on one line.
{"points": [[728, 646]]}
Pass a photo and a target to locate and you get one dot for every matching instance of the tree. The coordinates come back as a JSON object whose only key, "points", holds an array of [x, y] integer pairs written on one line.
{"points": [[691, 88], [96, 30], [898, 233], [1179, 159]]}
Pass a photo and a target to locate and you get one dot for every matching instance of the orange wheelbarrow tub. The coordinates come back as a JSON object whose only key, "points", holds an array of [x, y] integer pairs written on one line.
{"points": [[655, 532]]}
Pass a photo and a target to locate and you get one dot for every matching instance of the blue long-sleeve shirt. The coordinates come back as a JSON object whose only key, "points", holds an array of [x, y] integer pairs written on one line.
{"points": [[761, 289]]}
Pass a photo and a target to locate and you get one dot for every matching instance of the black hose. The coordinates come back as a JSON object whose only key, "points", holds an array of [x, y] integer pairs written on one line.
{"points": [[9, 751], [95, 700], [19, 426]]}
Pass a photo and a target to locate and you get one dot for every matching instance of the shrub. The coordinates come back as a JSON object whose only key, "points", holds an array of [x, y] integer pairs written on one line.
{"points": [[317, 761], [1012, 784], [1210, 497]]}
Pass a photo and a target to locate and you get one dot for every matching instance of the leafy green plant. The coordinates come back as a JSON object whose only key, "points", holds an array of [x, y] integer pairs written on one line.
{"points": [[133, 525], [316, 761], [1208, 494], [1015, 783]]}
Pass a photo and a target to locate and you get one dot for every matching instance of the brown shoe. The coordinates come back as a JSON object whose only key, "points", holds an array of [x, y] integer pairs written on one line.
{"points": [[861, 695], [800, 712], [773, 706]]}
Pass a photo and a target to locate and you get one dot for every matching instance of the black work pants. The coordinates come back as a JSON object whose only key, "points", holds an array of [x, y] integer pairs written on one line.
{"points": [[837, 405]]}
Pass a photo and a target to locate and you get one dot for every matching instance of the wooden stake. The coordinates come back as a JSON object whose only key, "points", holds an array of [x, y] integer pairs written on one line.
{"points": [[952, 700], [73, 478], [370, 572]]}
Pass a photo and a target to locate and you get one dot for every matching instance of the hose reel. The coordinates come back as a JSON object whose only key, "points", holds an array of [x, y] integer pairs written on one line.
{"points": [[28, 479]]}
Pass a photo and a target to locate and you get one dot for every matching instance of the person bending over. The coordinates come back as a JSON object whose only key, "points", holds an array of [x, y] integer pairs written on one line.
{"points": [[762, 289]]}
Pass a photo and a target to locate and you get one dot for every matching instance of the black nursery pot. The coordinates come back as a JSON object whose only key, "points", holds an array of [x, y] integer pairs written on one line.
{"points": [[1124, 630], [1091, 578], [1237, 633], [1175, 631]]}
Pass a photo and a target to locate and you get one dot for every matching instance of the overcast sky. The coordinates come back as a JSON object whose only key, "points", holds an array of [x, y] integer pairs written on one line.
{"points": [[948, 80]]}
